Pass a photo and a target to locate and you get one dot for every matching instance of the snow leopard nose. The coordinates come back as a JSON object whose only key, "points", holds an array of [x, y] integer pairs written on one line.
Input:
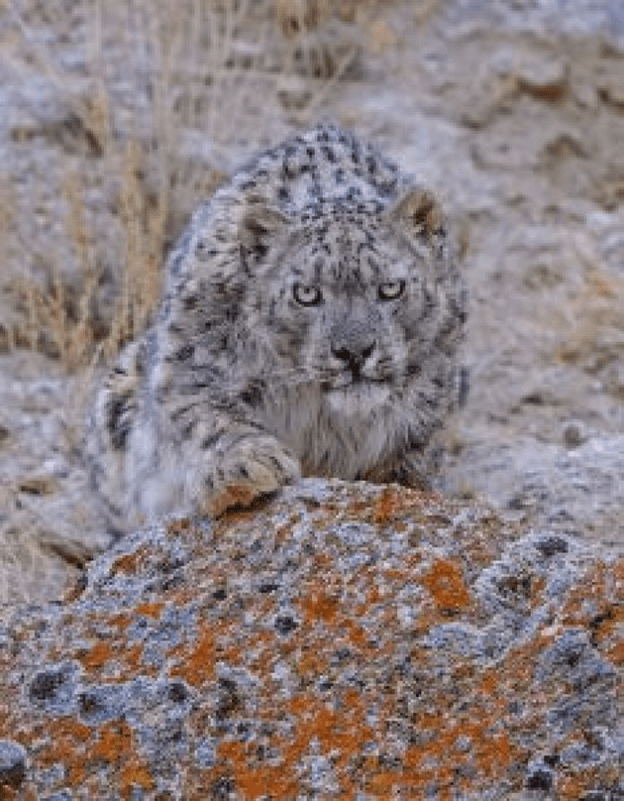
{"points": [[353, 355]]}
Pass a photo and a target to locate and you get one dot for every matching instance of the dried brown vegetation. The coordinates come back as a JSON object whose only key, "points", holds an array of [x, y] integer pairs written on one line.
{"points": [[162, 86]]}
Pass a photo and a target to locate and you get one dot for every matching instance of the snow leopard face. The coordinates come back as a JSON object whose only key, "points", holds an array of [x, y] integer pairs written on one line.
{"points": [[352, 299]]}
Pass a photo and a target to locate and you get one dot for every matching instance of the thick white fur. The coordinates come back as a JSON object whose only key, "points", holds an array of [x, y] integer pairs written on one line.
{"points": [[310, 325]]}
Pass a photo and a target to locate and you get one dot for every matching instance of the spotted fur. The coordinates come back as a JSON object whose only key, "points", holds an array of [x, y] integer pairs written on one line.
{"points": [[309, 326]]}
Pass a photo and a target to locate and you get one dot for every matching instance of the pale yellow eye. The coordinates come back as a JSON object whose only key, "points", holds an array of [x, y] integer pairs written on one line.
{"points": [[307, 295], [391, 290]]}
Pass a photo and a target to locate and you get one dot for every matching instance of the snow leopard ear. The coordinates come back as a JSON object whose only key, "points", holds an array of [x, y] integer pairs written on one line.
{"points": [[419, 215], [260, 223]]}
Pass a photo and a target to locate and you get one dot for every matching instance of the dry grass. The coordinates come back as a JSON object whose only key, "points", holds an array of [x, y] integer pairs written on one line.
{"points": [[146, 103], [167, 83]]}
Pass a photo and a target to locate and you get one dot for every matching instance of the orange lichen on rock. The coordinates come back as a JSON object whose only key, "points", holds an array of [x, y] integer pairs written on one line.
{"points": [[135, 776], [253, 779], [343, 658], [196, 665], [98, 656], [318, 605], [150, 609], [128, 563], [67, 745], [385, 506], [445, 582], [113, 742]]}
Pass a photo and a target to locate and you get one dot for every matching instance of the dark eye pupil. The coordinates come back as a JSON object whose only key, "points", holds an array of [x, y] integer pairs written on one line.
{"points": [[307, 295], [391, 290]]}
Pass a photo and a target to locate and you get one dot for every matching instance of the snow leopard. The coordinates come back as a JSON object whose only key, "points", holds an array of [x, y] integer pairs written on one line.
{"points": [[310, 325]]}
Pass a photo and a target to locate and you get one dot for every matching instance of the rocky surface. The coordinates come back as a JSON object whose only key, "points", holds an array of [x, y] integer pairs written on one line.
{"points": [[340, 641], [48, 527], [512, 112]]}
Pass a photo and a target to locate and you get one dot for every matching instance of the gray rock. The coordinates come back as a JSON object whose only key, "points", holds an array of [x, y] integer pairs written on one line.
{"points": [[342, 640], [12, 764]]}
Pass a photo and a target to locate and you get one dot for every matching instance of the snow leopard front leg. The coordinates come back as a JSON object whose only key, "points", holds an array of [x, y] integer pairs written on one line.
{"points": [[243, 466], [200, 461]]}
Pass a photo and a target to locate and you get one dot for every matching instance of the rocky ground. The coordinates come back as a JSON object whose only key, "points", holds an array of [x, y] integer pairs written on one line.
{"points": [[343, 641], [514, 112]]}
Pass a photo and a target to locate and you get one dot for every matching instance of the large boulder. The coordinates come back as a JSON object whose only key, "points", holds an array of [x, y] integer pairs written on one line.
{"points": [[340, 641]]}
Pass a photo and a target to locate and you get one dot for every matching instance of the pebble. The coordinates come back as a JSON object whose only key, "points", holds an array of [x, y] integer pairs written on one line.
{"points": [[12, 764], [574, 434]]}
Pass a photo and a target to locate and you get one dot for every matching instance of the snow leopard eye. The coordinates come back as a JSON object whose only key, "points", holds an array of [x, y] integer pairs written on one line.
{"points": [[391, 290], [307, 295]]}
